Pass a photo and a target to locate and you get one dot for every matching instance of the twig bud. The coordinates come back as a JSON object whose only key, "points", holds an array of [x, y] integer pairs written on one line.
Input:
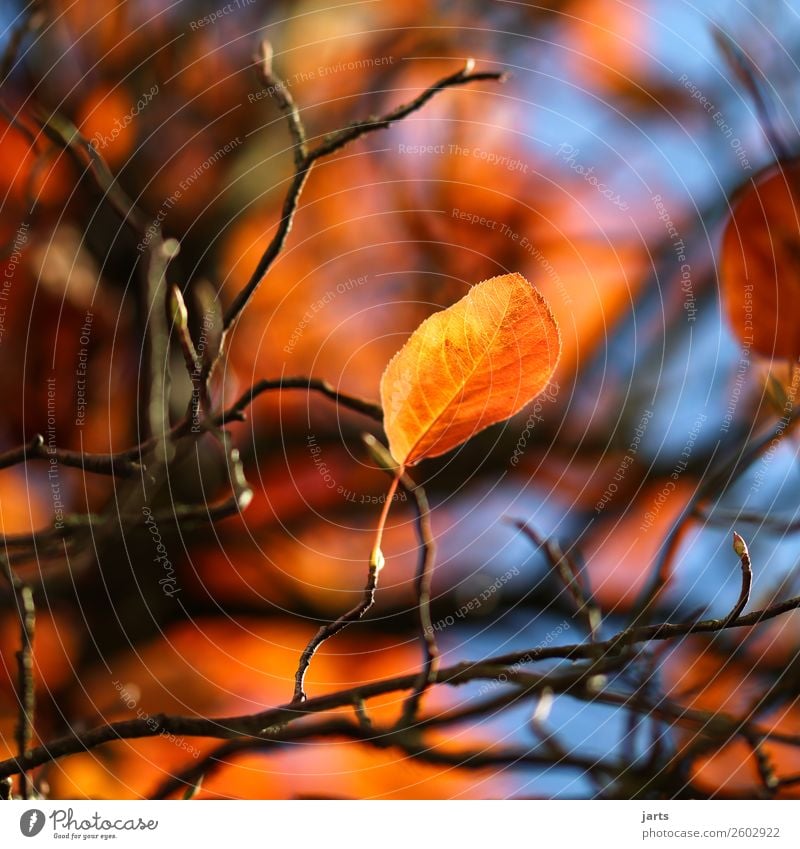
{"points": [[177, 308], [265, 56], [380, 454]]}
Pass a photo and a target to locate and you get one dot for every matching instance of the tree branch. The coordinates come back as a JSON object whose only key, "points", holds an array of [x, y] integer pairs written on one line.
{"points": [[405, 742], [119, 465], [597, 654], [304, 160], [367, 600], [422, 587], [313, 384]]}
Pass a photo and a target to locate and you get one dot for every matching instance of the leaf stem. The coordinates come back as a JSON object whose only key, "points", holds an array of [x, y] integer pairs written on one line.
{"points": [[377, 554], [376, 561]]}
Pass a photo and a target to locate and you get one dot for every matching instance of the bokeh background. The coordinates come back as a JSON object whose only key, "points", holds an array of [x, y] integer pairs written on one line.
{"points": [[597, 170]]}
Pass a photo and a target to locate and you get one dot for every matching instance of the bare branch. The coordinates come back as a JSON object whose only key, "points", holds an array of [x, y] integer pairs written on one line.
{"points": [[338, 140], [508, 664], [332, 143], [367, 600], [766, 770], [285, 101], [382, 738], [359, 405], [723, 473], [119, 465], [568, 574], [422, 586]]}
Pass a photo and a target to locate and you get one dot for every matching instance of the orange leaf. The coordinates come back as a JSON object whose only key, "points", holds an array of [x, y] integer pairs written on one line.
{"points": [[759, 274], [473, 364]]}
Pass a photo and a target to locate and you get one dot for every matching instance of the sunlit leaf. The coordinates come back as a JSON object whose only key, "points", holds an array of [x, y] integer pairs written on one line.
{"points": [[473, 364], [759, 271]]}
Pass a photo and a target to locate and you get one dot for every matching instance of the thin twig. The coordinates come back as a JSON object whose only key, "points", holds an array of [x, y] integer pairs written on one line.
{"points": [[352, 402], [158, 253], [285, 101], [333, 628], [718, 516], [738, 459], [460, 673], [128, 462], [532, 687], [568, 574], [740, 547], [422, 588], [764, 765], [367, 600], [267, 721], [382, 738], [332, 143], [119, 465]]}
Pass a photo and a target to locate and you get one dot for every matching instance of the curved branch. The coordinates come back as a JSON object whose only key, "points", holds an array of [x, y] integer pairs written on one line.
{"points": [[598, 653], [422, 585], [313, 384], [332, 143], [119, 465], [384, 738]]}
